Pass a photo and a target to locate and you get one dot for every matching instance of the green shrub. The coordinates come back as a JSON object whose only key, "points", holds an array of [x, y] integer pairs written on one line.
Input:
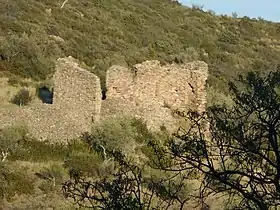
{"points": [[14, 181], [216, 97], [22, 97], [189, 55], [43, 151], [83, 164], [118, 134], [77, 146], [10, 141], [27, 54], [39, 151], [52, 178]]}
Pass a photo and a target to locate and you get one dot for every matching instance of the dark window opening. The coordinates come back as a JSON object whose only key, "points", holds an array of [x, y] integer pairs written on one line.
{"points": [[104, 94], [45, 95]]}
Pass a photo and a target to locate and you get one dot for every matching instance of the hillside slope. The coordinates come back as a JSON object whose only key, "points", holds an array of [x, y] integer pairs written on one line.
{"points": [[101, 33]]}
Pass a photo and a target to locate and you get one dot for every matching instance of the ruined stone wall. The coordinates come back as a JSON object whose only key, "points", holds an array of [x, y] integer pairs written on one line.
{"points": [[76, 105], [76, 89], [153, 92], [148, 91]]}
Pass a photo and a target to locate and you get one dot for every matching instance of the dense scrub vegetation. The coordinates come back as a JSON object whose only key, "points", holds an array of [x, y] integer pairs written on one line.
{"points": [[121, 164], [30, 169], [102, 33], [239, 161]]}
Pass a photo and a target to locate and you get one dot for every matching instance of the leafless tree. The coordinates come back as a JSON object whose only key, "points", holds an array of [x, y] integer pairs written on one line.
{"points": [[126, 189], [63, 4], [240, 156]]}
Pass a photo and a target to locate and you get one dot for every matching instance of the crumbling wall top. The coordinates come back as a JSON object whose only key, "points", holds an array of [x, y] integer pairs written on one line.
{"points": [[152, 91], [148, 90]]}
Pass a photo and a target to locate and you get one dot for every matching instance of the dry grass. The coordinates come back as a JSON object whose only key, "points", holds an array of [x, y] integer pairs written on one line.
{"points": [[40, 199], [7, 91]]}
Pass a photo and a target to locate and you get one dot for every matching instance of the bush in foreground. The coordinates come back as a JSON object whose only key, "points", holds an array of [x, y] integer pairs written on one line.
{"points": [[22, 97], [241, 158]]}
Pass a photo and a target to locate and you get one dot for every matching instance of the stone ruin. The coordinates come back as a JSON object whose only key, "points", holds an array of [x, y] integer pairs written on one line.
{"points": [[149, 91], [76, 105], [153, 92]]}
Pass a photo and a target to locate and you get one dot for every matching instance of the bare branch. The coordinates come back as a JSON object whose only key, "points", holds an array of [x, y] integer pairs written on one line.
{"points": [[63, 4]]}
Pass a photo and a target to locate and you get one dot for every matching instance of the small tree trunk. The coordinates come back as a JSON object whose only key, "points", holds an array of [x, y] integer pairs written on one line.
{"points": [[104, 153], [53, 181], [63, 4], [4, 155]]}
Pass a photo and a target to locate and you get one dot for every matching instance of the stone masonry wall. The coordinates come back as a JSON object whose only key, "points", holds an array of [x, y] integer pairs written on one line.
{"points": [[76, 104], [148, 90], [76, 89], [152, 92]]}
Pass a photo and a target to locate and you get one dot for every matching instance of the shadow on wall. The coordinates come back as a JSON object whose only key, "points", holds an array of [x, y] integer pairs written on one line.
{"points": [[45, 95]]}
